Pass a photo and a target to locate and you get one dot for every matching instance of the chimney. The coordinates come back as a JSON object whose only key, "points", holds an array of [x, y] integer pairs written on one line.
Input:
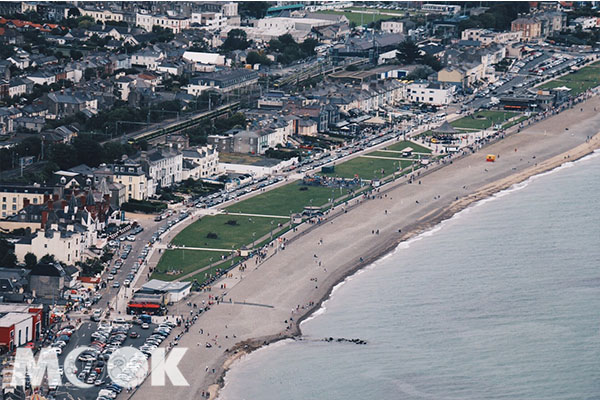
{"points": [[82, 201], [46, 198], [25, 202], [63, 204], [55, 197], [50, 205], [44, 219]]}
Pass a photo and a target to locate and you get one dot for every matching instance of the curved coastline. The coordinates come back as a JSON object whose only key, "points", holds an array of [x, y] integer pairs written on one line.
{"points": [[421, 227], [280, 283]]}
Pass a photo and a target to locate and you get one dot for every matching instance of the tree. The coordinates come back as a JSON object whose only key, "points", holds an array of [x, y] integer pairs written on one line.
{"points": [[87, 151], [63, 155], [7, 255], [30, 260], [162, 34], [47, 259], [254, 57], [408, 52], [74, 12], [236, 40], [253, 9], [75, 54]]}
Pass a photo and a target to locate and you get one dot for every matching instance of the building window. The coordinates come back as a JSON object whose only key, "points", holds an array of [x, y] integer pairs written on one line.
{"points": [[14, 207], [45, 245], [4, 206], [35, 200]]}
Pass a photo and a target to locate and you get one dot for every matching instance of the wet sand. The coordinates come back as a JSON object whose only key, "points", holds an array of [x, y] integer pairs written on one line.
{"points": [[263, 299]]}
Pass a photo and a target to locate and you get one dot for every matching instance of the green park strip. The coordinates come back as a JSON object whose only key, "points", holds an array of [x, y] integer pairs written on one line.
{"points": [[225, 231], [392, 155], [179, 262], [578, 81], [514, 122], [284, 200], [399, 146], [202, 276], [483, 119], [365, 168]]}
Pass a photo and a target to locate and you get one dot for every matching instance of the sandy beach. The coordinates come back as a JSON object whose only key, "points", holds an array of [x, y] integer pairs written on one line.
{"points": [[267, 301]]}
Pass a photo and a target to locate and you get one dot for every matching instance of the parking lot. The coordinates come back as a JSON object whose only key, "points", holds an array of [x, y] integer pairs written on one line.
{"points": [[105, 338]]}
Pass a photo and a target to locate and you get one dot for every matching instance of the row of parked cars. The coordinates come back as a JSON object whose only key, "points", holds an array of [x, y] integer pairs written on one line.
{"points": [[224, 195], [104, 342], [160, 333]]}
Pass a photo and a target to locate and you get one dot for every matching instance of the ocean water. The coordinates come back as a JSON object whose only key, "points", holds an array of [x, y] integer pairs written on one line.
{"points": [[500, 302]]}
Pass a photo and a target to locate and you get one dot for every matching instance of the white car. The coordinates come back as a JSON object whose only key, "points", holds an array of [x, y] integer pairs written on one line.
{"points": [[110, 277]]}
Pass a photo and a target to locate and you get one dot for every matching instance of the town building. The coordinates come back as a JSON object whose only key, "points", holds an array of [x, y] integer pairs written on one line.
{"points": [[200, 162], [19, 324], [432, 93], [14, 197]]}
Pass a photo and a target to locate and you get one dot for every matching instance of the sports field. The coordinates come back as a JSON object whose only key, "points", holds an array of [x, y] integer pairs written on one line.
{"points": [[579, 81], [284, 200], [176, 263], [483, 119]]}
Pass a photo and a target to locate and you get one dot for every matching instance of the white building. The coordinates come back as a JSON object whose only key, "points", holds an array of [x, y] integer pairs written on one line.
{"points": [[204, 58], [202, 162], [17, 87], [392, 26], [209, 21], [163, 168], [148, 58], [586, 22], [101, 15], [174, 23], [66, 246], [430, 93]]}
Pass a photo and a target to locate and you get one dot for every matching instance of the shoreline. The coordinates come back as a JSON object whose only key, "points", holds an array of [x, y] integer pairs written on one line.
{"points": [[284, 280], [419, 227]]}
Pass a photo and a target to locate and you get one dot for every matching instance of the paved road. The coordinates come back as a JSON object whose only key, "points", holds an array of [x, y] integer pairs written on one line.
{"points": [[82, 337]]}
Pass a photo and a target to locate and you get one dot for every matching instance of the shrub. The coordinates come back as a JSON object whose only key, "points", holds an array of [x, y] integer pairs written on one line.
{"points": [[232, 222], [212, 235], [303, 188]]}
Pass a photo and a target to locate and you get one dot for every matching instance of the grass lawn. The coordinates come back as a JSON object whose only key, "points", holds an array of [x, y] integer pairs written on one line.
{"points": [[490, 118], [184, 260], [204, 275], [228, 236], [405, 143], [579, 81], [284, 199], [365, 168], [514, 122], [576, 87]]}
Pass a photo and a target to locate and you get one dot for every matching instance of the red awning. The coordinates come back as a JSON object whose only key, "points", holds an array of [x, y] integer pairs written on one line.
{"points": [[146, 305]]}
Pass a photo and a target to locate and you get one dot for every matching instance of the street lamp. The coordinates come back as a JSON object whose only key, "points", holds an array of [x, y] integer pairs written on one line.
{"points": [[272, 230]]}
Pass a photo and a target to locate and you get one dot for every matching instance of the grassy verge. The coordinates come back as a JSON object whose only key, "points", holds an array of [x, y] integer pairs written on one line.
{"points": [[284, 200], [483, 119], [184, 262]]}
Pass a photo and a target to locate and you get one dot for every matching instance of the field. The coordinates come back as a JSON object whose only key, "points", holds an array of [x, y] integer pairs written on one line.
{"points": [[366, 168], [229, 236], [579, 81], [405, 143], [184, 261], [490, 118], [371, 168], [204, 275], [514, 122], [285, 200]]}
